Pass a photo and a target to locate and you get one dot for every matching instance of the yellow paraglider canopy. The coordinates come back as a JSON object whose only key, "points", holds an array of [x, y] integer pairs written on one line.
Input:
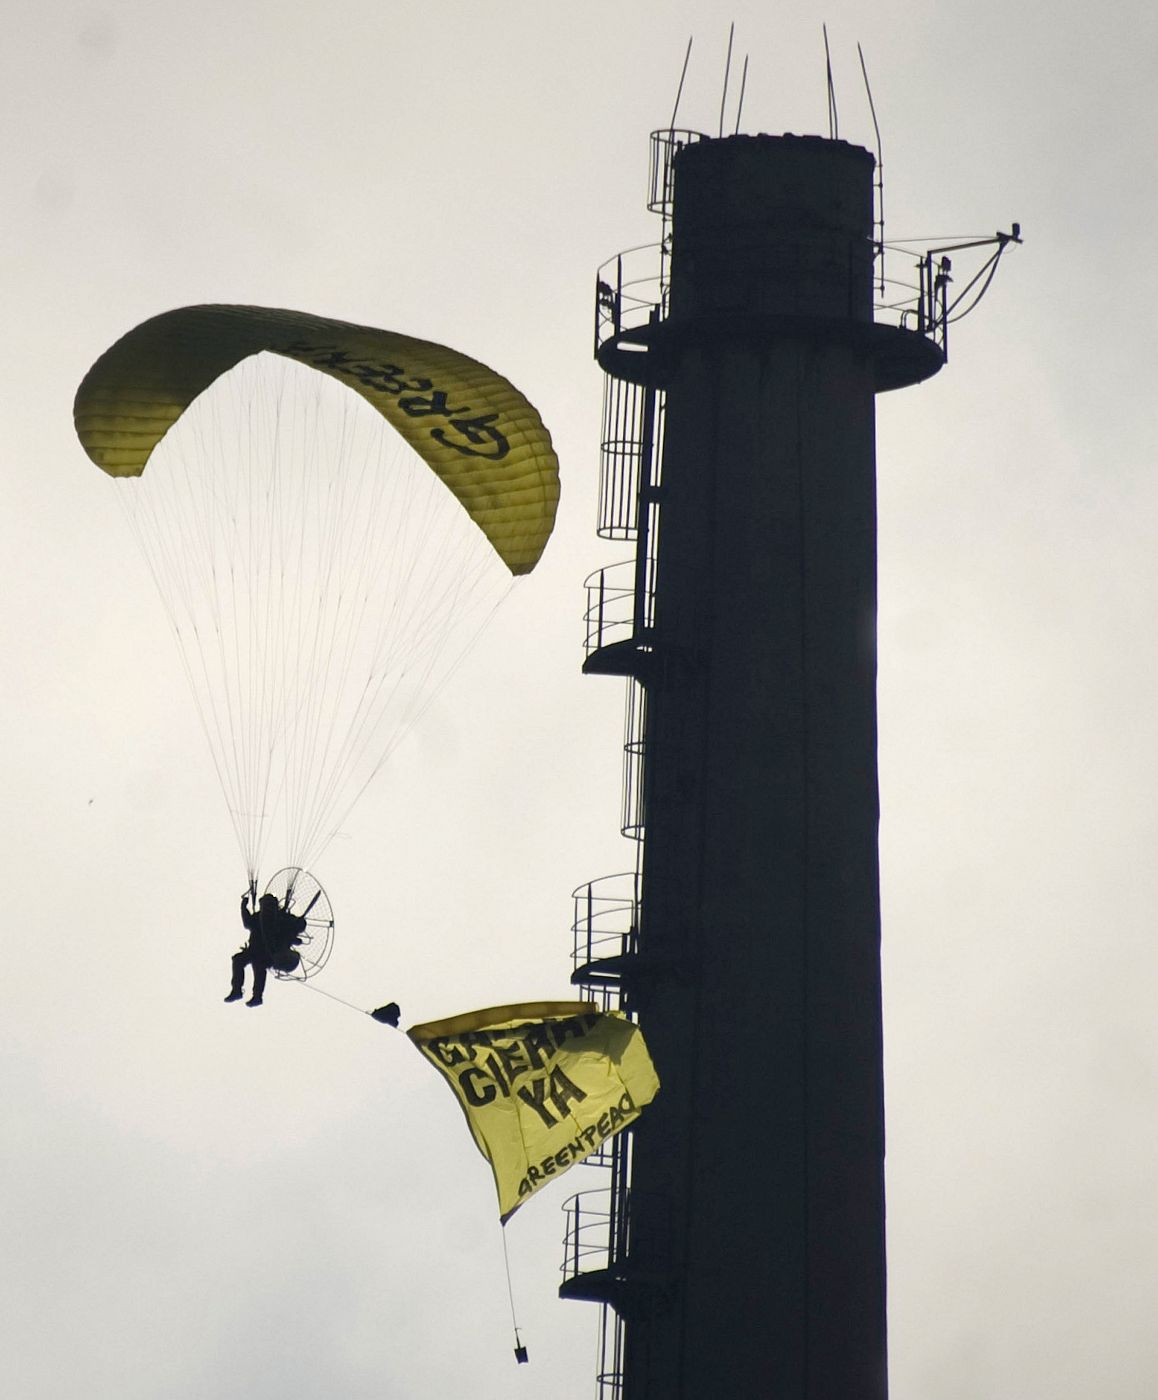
{"points": [[480, 435]]}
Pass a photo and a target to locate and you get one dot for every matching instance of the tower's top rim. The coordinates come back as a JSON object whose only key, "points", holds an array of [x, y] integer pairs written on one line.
{"points": [[788, 138]]}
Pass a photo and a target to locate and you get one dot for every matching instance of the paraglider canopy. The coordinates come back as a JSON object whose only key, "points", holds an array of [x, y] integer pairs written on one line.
{"points": [[470, 425], [331, 513]]}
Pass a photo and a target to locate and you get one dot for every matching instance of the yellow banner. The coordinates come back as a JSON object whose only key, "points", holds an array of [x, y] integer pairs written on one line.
{"points": [[542, 1085]]}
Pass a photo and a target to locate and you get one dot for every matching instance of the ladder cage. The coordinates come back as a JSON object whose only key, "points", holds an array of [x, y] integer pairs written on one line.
{"points": [[662, 151], [609, 1376], [634, 760], [630, 451]]}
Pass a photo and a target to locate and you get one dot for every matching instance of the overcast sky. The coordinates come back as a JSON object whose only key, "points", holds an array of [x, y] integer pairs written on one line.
{"points": [[205, 1201]]}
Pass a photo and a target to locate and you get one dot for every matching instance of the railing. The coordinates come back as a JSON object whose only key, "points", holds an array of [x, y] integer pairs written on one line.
{"points": [[631, 288], [920, 305], [935, 310], [606, 918], [595, 1237], [632, 293], [596, 1241], [610, 612]]}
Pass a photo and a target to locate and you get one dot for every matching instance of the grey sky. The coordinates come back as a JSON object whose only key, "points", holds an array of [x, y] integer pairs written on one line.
{"points": [[200, 1201]]}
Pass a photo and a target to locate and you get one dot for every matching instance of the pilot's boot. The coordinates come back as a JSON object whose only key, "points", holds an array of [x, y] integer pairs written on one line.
{"points": [[259, 971], [238, 977]]}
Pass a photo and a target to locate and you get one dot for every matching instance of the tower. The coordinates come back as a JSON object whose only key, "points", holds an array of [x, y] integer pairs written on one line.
{"points": [[744, 1225]]}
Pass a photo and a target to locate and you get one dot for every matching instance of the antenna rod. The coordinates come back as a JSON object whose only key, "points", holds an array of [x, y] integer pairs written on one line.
{"points": [[680, 89], [880, 162], [727, 70], [740, 104], [833, 118]]}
